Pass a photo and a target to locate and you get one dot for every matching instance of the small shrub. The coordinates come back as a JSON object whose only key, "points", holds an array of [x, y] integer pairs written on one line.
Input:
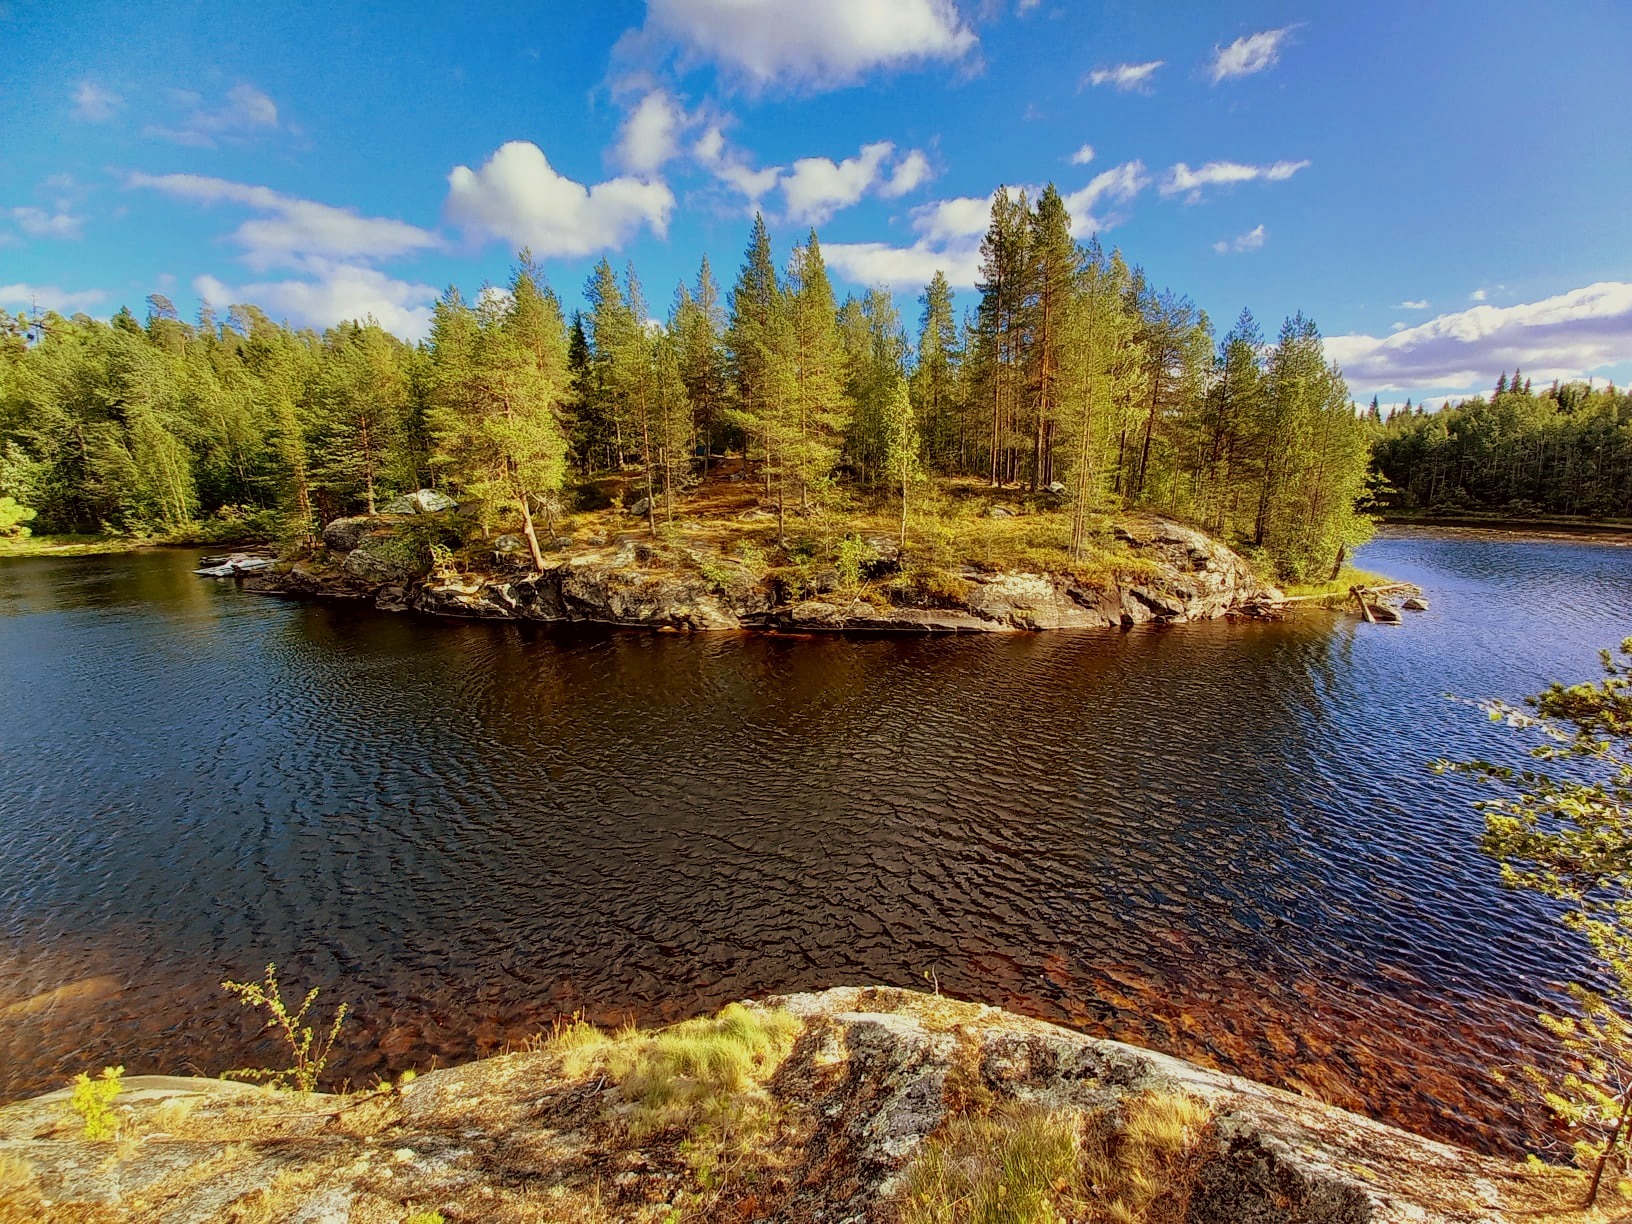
{"points": [[309, 1052], [850, 556], [14, 517], [93, 1101], [426, 1217]]}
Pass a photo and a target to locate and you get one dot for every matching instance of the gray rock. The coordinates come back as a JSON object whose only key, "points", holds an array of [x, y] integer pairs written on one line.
{"points": [[641, 507], [385, 559], [755, 515], [1000, 512], [344, 534], [423, 501], [1056, 488], [1415, 603]]}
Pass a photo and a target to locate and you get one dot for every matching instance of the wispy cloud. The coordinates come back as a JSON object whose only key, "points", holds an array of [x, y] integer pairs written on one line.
{"points": [[1181, 179], [294, 232], [46, 223], [1083, 155], [95, 103], [50, 297], [1252, 240], [1247, 55], [1120, 185], [1412, 304], [244, 111], [1125, 77]]}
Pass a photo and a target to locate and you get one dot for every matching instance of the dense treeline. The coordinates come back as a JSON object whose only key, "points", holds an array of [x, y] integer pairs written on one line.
{"points": [[1072, 377], [1563, 450]]}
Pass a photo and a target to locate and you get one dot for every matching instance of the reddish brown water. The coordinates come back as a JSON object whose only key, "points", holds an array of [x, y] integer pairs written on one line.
{"points": [[1218, 840]]}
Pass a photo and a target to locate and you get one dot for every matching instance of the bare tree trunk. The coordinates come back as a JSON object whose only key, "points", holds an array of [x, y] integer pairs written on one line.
{"points": [[1609, 1148], [532, 536]]}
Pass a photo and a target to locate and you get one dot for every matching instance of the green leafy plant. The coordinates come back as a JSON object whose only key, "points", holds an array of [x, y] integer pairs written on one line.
{"points": [[93, 1101], [1569, 838], [851, 554], [308, 1051]]}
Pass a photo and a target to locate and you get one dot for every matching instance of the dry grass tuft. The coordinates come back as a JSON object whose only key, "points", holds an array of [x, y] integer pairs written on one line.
{"points": [[1033, 1164]]}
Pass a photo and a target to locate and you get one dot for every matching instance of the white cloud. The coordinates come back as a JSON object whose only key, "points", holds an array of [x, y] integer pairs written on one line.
{"points": [[817, 187], [650, 136], [245, 110], [813, 44], [1412, 304], [910, 173], [341, 292], [1119, 184], [50, 297], [1181, 178], [42, 223], [947, 220], [517, 196], [1125, 77], [904, 268], [1565, 336], [1083, 155], [1247, 55], [296, 231], [1478, 295], [1252, 240], [731, 166], [95, 104]]}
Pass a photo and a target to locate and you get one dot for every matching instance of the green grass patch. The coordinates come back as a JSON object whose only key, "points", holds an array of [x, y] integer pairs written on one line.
{"points": [[1337, 589]]}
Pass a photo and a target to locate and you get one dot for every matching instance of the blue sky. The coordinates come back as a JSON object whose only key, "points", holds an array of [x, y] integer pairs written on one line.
{"points": [[1443, 187]]}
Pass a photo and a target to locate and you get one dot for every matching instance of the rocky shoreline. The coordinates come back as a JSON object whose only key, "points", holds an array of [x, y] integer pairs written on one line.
{"points": [[1176, 574], [865, 1090]]}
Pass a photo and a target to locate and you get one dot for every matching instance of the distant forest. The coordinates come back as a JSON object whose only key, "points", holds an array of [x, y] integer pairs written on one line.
{"points": [[1071, 370], [1566, 449]]}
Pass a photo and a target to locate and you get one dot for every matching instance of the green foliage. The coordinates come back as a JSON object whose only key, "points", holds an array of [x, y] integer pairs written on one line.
{"points": [[93, 1101], [850, 555], [425, 1217], [1568, 837], [309, 1052], [14, 518]]}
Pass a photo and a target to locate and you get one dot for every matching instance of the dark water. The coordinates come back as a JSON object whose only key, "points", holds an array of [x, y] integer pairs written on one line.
{"points": [[1220, 840]]}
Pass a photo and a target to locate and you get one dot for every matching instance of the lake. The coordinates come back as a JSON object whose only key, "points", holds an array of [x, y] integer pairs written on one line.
{"points": [[1220, 840]]}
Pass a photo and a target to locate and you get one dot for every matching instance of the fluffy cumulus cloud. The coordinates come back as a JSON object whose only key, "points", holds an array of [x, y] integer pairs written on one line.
{"points": [[1125, 78], [95, 103], [519, 198], [1558, 337], [1118, 185], [339, 292], [813, 44], [1181, 179], [1247, 55], [47, 223], [49, 297], [295, 232], [817, 187], [650, 136], [910, 173], [1252, 240], [244, 111]]}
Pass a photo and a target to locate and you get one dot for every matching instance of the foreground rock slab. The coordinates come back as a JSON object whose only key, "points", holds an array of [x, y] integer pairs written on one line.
{"points": [[873, 1078]]}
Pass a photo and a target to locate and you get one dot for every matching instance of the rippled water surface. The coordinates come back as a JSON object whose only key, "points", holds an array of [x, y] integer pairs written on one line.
{"points": [[1220, 840]]}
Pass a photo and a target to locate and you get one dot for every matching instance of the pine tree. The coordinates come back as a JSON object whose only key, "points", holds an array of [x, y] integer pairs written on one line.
{"points": [[819, 412], [935, 378], [1053, 274]]}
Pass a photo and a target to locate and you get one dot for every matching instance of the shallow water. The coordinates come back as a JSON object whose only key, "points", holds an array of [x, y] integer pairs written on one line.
{"points": [[1220, 840]]}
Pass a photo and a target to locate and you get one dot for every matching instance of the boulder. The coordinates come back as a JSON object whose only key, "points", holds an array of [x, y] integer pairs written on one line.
{"points": [[423, 501], [383, 559], [1055, 488], [641, 507], [1415, 603], [344, 534], [1000, 512]]}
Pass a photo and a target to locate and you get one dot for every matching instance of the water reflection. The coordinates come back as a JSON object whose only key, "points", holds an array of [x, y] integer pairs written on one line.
{"points": [[1219, 840]]}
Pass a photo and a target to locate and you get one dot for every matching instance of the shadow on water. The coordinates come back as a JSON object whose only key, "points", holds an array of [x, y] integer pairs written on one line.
{"points": [[1220, 840]]}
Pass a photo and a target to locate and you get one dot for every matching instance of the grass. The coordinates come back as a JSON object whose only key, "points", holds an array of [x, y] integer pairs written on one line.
{"points": [[1036, 1164], [1337, 589], [701, 1081]]}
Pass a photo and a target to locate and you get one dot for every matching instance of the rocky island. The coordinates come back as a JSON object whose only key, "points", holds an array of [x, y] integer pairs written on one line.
{"points": [[710, 571]]}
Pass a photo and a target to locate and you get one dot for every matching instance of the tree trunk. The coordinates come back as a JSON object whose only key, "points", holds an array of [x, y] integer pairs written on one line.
{"points": [[1609, 1148], [532, 536]]}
